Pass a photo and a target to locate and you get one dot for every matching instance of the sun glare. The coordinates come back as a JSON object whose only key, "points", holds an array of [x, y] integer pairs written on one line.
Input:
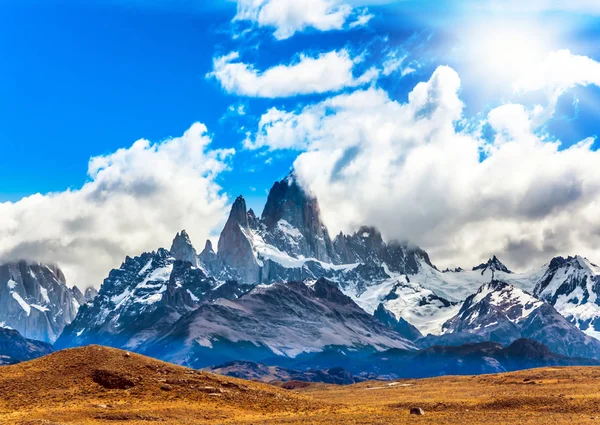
{"points": [[501, 52]]}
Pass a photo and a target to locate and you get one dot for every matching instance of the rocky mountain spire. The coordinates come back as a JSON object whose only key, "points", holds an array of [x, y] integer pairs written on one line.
{"points": [[235, 245], [183, 250], [493, 264], [290, 208]]}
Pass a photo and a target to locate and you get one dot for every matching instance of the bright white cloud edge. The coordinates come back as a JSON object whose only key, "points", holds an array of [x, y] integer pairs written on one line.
{"points": [[406, 169], [136, 200], [326, 72]]}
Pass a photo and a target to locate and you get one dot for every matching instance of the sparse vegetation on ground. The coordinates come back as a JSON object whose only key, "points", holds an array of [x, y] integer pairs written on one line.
{"points": [[98, 385]]}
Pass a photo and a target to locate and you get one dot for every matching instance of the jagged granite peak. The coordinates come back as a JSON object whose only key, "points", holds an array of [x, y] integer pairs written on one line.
{"points": [[213, 265], [84, 297], [282, 320], [239, 212], [208, 254], [142, 298], [35, 300], [253, 220], [503, 313], [572, 286], [291, 210], [183, 250], [367, 245], [235, 249], [454, 270], [493, 264], [78, 295], [208, 247]]}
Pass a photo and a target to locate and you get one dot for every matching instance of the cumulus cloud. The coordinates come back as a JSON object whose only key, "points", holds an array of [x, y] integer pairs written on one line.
{"points": [[406, 168], [561, 71], [326, 72], [135, 200], [288, 17]]}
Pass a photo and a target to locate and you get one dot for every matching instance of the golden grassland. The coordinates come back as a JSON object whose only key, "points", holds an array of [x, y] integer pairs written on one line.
{"points": [[77, 387]]}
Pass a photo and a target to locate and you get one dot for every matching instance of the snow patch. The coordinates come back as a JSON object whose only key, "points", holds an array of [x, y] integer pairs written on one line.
{"points": [[26, 307]]}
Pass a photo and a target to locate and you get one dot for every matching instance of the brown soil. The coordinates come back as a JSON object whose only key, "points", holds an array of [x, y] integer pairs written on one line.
{"points": [[97, 385]]}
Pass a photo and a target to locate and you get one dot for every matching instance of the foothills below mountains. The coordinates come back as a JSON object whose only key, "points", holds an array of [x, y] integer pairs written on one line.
{"points": [[99, 385], [281, 291]]}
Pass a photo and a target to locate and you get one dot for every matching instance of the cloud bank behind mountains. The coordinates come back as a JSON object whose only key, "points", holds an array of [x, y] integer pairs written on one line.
{"points": [[410, 170], [136, 199]]}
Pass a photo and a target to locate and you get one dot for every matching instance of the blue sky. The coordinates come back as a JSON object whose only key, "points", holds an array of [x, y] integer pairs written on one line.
{"points": [[85, 79]]}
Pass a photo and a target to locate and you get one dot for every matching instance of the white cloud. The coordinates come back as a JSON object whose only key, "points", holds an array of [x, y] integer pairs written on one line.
{"points": [[406, 169], [135, 201], [559, 72], [326, 72], [288, 17]]}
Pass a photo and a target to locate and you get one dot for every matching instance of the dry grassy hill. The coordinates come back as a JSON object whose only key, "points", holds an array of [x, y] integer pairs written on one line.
{"points": [[98, 385], [95, 384]]}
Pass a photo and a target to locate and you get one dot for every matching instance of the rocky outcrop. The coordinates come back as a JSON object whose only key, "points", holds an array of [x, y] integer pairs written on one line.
{"points": [[183, 250], [235, 248]]}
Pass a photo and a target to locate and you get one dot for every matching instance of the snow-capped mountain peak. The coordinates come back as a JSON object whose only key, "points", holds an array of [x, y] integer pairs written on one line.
{"points": [[572, 285], [494, 265]]}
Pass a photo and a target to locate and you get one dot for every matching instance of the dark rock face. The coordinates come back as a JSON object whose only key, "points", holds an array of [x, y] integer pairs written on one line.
{"points": [[280, 320], [494, 265], [235, 245], [290, 209], [14, 348], [500, 312], [35, 300], [367, 246], [183, 250]]}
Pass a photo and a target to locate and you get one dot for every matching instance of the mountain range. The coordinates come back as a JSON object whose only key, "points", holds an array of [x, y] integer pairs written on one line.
{"points": [[279, 287]]}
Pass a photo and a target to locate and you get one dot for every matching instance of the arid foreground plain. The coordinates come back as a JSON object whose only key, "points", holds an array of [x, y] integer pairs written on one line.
{"points": [[98, 385]]}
